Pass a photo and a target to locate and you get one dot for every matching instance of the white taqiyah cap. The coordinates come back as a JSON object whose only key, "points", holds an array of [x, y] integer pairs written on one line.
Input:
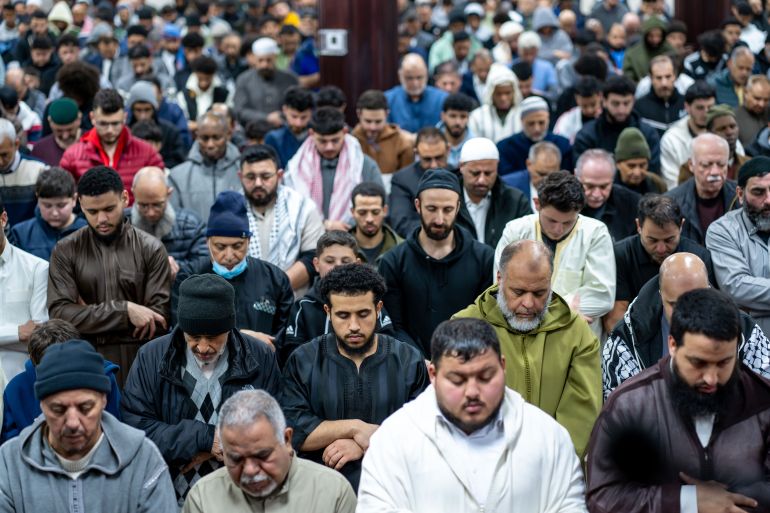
{"points": [[265, 46], [479, 148]]}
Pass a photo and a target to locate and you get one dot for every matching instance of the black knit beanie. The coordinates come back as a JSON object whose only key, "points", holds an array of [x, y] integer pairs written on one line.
{"points": [[70, 365], [206, 305]]}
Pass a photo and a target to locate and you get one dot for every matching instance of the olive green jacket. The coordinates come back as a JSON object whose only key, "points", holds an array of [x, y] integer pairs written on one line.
{"points": [[556, 366]]}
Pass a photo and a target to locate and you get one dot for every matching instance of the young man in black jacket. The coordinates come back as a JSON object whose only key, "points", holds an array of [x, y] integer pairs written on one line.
{"points": [[307, 318], [440, 269]]}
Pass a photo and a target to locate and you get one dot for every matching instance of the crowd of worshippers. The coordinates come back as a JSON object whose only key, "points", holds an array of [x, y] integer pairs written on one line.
{"points": [[534, 276]]}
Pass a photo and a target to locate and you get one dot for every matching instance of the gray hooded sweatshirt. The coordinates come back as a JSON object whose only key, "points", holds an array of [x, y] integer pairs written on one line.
{"points": [[126, 474], [197, 182], [558, 40]]}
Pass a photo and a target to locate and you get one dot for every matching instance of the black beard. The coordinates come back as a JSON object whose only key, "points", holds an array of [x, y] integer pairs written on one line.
{"points": [[264, 201], [456, 133], [106, 239], [266, 73], [436, 236], [356, 351], [468, 427], [690, 403]]}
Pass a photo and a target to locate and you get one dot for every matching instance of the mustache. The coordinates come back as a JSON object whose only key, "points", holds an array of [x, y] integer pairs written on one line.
{"points": [[255, 479]]}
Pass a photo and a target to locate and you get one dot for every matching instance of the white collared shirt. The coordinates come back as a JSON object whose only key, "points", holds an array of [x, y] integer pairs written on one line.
{"points": [[477, 454], [478, 212], [24, 285]]}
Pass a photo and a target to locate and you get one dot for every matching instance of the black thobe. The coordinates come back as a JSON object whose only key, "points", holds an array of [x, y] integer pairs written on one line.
{"points": [[321, 384]]}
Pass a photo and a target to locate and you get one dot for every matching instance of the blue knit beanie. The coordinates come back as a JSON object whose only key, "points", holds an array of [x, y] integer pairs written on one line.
{"points": [[70, 365], [228, 217]]}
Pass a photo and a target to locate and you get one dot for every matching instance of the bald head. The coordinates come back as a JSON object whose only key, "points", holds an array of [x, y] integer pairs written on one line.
{"points": [[413, 75], [151, 192], [528, 256], [15, 79], [150, 176], [680, 273]]}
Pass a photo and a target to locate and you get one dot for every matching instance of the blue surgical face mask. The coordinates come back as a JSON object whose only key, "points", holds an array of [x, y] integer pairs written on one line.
{"points": [[229, 274]]}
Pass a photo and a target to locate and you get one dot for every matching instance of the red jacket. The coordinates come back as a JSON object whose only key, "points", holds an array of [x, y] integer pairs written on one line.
{"points": [[131, 154]]}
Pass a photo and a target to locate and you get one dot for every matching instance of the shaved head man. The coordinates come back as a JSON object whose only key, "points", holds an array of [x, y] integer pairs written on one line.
{"points": [[640, 339], [680, 273], [181, 231]]}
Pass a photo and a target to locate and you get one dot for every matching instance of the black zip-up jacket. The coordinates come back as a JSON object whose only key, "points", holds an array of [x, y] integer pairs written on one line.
{"points": [[507, 204], [308, 320], [156, 400], [423, 291], [658, 113]]}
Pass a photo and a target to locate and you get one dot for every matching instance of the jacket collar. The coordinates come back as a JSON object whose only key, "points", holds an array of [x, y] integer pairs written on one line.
{"points": [[241, 361], [123, 139]]}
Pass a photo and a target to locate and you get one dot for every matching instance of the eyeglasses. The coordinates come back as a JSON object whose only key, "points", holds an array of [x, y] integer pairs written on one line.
{"points": [[262, 177]]}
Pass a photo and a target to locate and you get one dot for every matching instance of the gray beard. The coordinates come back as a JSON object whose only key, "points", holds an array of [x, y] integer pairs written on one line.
{"points": [[521, 326], [159, 229]]}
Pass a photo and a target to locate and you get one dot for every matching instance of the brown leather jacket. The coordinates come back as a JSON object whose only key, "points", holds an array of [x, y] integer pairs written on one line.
{"points": [[89, 282], [640, 443]]}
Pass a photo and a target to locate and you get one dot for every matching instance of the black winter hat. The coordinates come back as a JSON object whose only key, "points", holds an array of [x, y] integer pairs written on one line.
{"points": [[206, 305], [439, 179], [758, 166], [70, 365]]}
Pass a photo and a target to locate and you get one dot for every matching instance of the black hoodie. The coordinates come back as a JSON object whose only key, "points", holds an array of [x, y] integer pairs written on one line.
{"points": [[423, 291]]}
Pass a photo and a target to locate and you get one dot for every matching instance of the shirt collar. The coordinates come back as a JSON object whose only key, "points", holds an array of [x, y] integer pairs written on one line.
{"points": [[469, 202]]}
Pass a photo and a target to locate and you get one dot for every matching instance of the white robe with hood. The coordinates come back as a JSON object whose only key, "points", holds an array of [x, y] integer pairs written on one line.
{"points": [[407, 470], [484, 121]]}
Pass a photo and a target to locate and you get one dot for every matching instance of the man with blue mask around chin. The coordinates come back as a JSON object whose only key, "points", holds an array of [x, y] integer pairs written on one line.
{"points": [[179, 381], [263, 293]]}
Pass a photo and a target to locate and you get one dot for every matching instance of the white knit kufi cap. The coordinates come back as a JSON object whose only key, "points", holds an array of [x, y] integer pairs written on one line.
{"points": [[264, 46], [479, 148]]}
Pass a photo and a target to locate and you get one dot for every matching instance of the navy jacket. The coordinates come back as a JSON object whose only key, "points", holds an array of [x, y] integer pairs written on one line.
{"points": [[467, 87], [21, 407], [514, 151], [37, 237], [284, 143], [518, 180]]}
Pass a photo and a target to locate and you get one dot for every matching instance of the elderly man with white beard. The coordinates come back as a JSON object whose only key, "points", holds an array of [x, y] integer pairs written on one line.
{"points": [[551, 354], [262, 471]]}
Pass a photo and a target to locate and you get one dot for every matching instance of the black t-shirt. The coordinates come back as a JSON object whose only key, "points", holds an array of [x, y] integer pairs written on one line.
{"points": [[371, 254], [635, 267]]}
